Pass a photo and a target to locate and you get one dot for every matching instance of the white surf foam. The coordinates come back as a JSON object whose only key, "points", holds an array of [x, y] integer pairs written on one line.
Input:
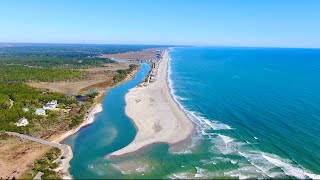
{"points": [[200, 172], [182, 98], [215, 125], [181, 175], [226, 139], [258, 165], [288, 168], [142, 168]]}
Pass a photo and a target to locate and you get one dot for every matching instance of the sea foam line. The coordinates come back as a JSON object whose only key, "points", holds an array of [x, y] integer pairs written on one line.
{"points": [[259, 162]]}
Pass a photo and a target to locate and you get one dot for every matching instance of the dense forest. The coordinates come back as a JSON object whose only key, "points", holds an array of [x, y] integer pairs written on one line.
{"points": [[68, 50], [52, 62], [27, 74]]}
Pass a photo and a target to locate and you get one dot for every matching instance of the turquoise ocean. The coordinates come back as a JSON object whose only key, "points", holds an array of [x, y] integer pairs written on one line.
{"points": [[257, 112]]}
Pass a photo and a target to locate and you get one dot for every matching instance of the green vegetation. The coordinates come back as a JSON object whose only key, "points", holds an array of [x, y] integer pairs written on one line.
{"points": [[27, 74], [24, 96], [69, 50], [51, 62], [56, 62], [48, 64], [45, 165], [122, 73], [93, 95], [4, 101], [78, 117]]}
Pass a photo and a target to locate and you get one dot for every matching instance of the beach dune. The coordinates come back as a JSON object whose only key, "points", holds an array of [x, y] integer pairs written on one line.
{"points": [[157, 117]]}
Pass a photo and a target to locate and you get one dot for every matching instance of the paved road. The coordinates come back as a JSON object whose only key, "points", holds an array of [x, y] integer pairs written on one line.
{"points": [[38, 176], [64, 149]]}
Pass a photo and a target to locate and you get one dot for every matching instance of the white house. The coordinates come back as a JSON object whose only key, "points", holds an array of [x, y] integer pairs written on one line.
{"points": [[25, 109], [22, 122], [40, 112], [51, 105], [152, 79]]}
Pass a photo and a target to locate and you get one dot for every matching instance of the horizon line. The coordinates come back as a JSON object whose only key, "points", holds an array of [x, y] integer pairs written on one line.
{"points": [[148, 44]]}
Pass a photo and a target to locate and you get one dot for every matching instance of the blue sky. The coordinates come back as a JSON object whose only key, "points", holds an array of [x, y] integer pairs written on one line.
{"points": [[278, 23]]}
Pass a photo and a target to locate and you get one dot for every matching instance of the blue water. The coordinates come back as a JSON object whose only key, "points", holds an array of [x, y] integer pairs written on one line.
{"points": [[256, 110], [265, 102], [112, 130]]}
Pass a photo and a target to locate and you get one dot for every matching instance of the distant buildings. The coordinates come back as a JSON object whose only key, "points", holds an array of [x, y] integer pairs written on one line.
{"points": [[40, 111], [22, 122], [51, 105]]}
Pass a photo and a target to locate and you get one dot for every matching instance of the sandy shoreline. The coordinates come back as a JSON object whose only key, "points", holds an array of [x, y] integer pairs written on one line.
{"points": [[157, 117], [65, 163]]}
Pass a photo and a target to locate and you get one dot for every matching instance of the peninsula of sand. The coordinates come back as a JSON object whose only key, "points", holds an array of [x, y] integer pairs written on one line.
{"points": [[157, 117]]}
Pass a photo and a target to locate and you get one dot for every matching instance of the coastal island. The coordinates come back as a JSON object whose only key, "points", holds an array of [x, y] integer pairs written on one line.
{"points": [[157, 117]]}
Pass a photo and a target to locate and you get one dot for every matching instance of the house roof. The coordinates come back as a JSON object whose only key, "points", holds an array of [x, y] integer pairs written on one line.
{"points": [[22, 119], [40, 110]]}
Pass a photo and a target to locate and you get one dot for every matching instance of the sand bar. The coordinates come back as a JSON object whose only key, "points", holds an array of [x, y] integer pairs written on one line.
{"points": [[157, 117]]}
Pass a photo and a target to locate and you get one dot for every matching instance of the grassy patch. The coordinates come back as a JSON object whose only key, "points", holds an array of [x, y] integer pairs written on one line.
{"points": [[45, 165], [122, 74]]}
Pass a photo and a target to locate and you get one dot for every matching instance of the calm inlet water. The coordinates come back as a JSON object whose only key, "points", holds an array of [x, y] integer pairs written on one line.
{"points": [[111, 131], [257, 111]]}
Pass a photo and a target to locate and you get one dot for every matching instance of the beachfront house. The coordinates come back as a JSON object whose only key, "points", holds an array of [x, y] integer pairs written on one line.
{"points": [[152, 78], [25, 109], [22, 122], [40, 111], [51, 105]]}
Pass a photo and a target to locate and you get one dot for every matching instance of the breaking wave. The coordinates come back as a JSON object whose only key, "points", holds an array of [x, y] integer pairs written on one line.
{"points": [[251, 162]]}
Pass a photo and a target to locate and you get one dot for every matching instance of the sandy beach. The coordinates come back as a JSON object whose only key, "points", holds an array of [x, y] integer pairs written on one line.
{"points": [[157, 117]]}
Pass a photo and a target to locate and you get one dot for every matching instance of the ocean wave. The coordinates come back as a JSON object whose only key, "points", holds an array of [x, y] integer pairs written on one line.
{"points": [[182, 99], [252, 162], [226, 139], [181, 175], [200, 172], [142, 168], [202, 122], [194, 116], [257, 163], [288, 168]]}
